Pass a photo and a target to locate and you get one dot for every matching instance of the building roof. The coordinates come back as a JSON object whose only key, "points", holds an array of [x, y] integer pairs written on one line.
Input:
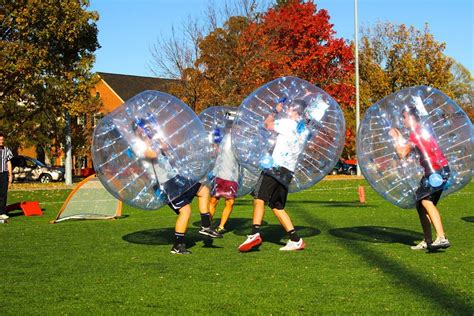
{"points": [[127, 86]]}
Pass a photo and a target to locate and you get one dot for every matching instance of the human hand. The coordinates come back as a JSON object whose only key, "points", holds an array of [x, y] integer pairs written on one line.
{"points": [[279, 107], [395, 133]]}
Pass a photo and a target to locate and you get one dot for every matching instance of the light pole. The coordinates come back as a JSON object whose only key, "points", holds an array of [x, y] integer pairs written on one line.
{"points": [[356, 54]]}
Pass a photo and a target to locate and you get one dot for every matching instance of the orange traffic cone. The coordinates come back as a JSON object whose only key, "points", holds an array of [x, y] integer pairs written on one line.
{"points": [[361, 194]]}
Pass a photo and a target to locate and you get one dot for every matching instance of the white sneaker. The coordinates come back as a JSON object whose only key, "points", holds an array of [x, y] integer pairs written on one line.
{"points": [[4, 216], [421, 246], [440, 243], [293, 245]]}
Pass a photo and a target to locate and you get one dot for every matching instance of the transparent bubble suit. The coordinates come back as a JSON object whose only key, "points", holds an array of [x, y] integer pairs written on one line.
{"points": [[173, 131], [322, 117], [397, 179], [218, 121]]}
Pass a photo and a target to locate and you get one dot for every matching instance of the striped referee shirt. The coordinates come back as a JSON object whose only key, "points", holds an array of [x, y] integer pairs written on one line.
{"points": [[5, 155]]}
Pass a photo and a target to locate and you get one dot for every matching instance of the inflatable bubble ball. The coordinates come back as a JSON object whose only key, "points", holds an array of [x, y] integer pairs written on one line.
{"points": [[218, 121], [289, 123], [150, 150], [413, 142]]}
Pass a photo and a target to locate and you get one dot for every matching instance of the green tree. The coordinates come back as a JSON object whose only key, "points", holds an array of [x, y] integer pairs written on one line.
{"points": [[47, 56]]}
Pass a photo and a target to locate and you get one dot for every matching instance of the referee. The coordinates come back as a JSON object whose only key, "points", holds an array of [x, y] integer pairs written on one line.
{"points": [[6, 175]]}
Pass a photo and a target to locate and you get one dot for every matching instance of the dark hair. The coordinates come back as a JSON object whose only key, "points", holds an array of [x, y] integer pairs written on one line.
{"points": [[139, 122], [2, 135], [411, 111], [298, 106]]}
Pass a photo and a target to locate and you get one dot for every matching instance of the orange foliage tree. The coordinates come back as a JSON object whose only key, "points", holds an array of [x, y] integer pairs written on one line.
{"points": [[291, 39], [296, 39]]}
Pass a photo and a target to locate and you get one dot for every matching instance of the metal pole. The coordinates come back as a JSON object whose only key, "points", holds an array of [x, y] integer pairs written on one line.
{"points": [[68, 164], [356, 54]]}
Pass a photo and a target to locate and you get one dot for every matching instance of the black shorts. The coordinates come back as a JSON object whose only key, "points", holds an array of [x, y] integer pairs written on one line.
{"points": [[174, 187], [427, 192], [185, 198], [271, 191], [281, 174]]}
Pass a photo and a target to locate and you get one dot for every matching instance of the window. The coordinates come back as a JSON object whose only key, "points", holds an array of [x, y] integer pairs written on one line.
{"points": [[81, 119], [96, 118]]}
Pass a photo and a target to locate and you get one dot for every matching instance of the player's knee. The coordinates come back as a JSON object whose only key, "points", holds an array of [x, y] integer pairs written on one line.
{"points": [[278, 209], [426, 203], [185, 211]]}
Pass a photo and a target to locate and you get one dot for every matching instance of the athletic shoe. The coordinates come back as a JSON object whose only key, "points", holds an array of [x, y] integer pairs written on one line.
{"points": [[220, 230], [251, 242], [4, 216], [209, 231], [180, 249], [439, 243], [293, 245], [421, 246]]}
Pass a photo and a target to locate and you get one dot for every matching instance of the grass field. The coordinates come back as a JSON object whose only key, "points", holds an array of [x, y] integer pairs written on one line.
{"points": [[357, 261]]}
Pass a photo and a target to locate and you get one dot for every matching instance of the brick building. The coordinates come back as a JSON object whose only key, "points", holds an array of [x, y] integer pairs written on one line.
{"points": [[113, 90]]}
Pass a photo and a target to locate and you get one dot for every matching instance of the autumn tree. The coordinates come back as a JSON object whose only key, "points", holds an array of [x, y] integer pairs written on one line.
{"points": [[292, 38], [255, 47], [393, 57], [47, 56], [462, 87], [177, 57], [295, 38], [222, 63]]}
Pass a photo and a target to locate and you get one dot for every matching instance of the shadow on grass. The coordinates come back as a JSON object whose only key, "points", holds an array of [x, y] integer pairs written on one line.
{"points": [[16, 213], [469, 219], [420, 284], [232, 223], [377, 234], [275, 233], [165, 236], [270, 232], [331, 203]]}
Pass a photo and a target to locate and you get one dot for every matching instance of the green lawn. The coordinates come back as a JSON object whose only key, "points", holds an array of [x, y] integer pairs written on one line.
{"points": [[357, 261]]}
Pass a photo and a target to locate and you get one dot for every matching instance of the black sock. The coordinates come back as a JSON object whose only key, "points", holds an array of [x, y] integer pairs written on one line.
{"points": [[293, 235], [255, 229], [206, 220], [178, 238]]}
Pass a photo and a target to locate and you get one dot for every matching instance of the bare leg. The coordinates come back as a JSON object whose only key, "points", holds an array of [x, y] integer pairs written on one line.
{"points": [[435, 218], [284, 219], [183, 219], [203, 199], [425, 222], [258, 211], [212, 205], [229, 206]]}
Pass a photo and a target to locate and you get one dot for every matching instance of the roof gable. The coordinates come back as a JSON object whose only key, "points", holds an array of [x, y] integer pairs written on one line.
{"points": [[127, 86]]}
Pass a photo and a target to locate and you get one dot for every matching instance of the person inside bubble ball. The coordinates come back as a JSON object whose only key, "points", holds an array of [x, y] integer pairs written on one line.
{"points": [[225, 185], [436, 173], [272, 185], [151, 149]]}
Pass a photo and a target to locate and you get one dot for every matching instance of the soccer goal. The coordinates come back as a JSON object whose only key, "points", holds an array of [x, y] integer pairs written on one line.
{"points": [[89, 200]]}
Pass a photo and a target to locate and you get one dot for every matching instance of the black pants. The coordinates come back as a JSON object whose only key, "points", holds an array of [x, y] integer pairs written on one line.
{"points": [[3, 191]]}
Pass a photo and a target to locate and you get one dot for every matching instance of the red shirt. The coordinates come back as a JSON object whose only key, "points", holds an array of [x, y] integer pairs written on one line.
{"points": [[431, 156]]}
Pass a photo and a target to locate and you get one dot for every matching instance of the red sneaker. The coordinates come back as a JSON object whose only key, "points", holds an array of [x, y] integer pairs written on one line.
{"points": [[251, 242]]}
